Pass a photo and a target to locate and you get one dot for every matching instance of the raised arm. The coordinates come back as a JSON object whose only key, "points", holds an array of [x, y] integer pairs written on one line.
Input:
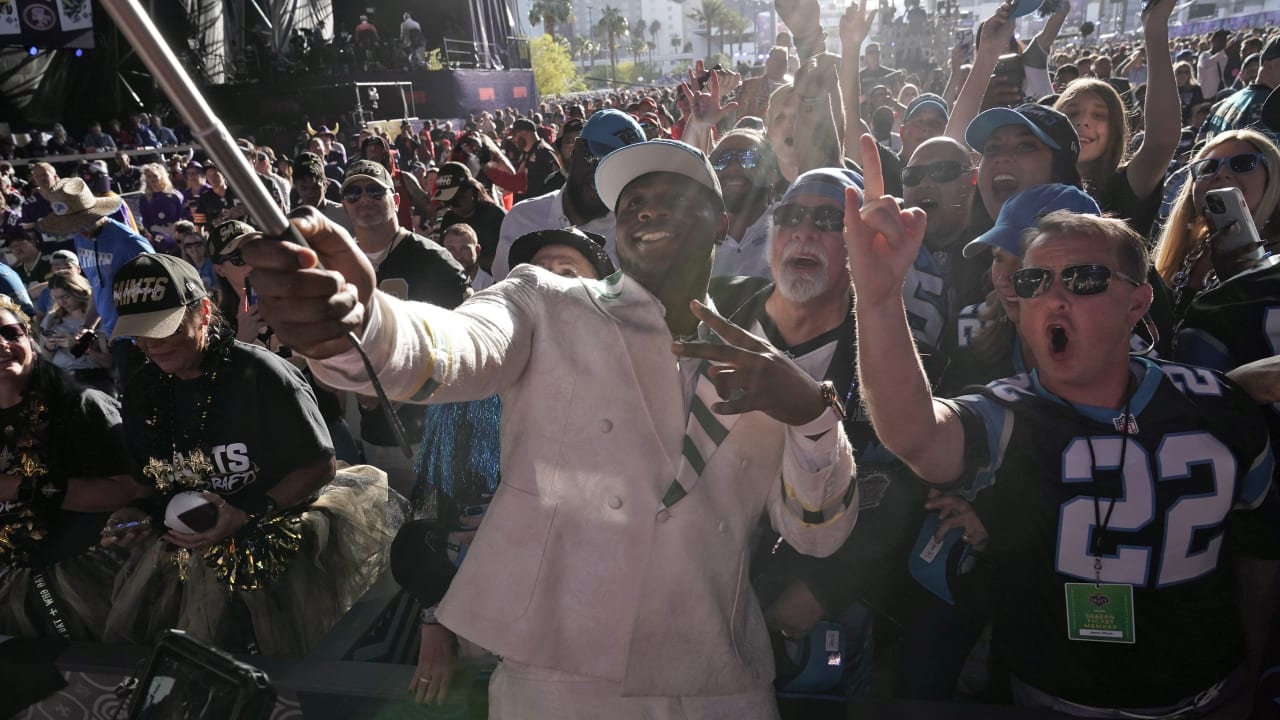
{"points": [[1162, 118], [855, 24], [882, 241], [819, 114], [996, 32]]}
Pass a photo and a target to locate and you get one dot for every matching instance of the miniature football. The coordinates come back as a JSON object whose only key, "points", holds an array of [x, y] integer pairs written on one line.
{"points": [[190, 512]]}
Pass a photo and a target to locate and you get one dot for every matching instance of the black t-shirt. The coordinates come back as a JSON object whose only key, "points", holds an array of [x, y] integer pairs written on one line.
{"points": [[39, 273], [1117, 198], [420, 270], [541, 167], [487, 222], [1196, 458], [262, 420], [216, 208], [84, 439]]}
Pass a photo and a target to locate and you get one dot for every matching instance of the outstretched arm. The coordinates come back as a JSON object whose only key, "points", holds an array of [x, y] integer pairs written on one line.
{"points": [[855, 24], [996, 32], [1162, 120], [882, 241]]}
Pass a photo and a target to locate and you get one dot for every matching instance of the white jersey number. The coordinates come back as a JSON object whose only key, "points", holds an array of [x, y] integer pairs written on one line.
{"points": [[1135, 509]]}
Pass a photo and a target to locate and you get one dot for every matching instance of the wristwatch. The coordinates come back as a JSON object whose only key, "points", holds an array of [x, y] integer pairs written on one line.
{"points": [[831, 398]]}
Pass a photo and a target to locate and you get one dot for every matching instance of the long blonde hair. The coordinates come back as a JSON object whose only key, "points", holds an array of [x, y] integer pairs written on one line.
{"points": [[166, 184], [1186, 228]]}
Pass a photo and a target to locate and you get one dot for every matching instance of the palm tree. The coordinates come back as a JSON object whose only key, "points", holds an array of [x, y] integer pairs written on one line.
{"points": [[612, 25], [710, 15], [550, 13], [654, 27], [637, 48], [676, 42]]}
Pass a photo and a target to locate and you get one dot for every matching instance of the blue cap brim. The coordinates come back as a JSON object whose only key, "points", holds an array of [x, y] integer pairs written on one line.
{"points": [[1025, 7], [927, 105], [1005, 237], [988, 121]]}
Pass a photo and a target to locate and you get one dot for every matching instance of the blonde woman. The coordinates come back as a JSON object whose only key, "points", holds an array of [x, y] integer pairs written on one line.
{"points": [[160, 206], [1244, 159], [90, 364]]}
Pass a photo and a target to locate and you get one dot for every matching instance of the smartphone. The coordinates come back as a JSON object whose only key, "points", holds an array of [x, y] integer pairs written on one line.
{"points": [[964, 41], [1226, 213], [251, 297], [1009, 67], [122, 528]]}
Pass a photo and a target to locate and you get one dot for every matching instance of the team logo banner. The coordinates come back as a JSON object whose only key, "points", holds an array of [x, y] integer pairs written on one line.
{"points": [[46, 23]]}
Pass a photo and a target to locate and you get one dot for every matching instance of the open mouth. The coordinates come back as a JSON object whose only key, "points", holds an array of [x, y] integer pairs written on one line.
{"points": [[804, 262], [1004, 184], [651, 237], [927, 204], [1058, 339]]}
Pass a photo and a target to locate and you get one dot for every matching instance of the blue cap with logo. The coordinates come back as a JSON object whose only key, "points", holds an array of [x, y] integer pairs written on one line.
{"points": [[609, 129]]}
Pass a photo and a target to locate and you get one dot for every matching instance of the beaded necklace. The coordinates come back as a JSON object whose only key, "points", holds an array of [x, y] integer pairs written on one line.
{"points": [[188, 469], [20, 455]]}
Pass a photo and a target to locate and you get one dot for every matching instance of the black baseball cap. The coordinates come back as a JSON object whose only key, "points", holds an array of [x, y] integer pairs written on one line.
{"points": [[226, 238], [451, 178], [151, 293], [308, 164], [589, 244], [367, 170], [1271, 51], [523, 124]]}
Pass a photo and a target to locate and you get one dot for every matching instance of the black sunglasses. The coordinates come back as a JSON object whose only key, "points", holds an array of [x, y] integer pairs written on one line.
{"points": [[1241, 164], [1077, 279], [827, 218], [235, 257], [13, 332], [748, 159], [353, 192], [939, 172]]}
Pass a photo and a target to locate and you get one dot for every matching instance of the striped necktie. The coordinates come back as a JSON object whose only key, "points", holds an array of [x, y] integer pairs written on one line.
{"points": [[702, 436]]}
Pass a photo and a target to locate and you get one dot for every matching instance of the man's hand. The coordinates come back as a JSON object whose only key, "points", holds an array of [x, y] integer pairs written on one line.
{"points": [[312, 296], [1155, 16], [750, 374], [882, 239], [437, 662], [230, 520], [855, 25], [802, 17], [997, 30], [956, 512], [795, 612]]}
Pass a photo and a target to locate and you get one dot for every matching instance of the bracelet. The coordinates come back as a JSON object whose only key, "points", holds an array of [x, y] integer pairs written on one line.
{"points": [[428, 616]]}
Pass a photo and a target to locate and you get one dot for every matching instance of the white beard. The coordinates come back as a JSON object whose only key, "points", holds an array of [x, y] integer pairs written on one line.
{"points": [[799, 287]]}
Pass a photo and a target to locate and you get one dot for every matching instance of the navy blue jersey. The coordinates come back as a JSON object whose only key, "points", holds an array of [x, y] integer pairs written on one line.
{"points": [[1234, 323], [1194, 450]]}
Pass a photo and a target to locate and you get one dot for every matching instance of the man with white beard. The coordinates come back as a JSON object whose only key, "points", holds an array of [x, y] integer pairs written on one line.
{"points": [[806, 311]]}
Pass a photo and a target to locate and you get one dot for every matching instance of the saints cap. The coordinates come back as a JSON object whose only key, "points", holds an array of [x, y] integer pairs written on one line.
{"points": [[151, 293]]}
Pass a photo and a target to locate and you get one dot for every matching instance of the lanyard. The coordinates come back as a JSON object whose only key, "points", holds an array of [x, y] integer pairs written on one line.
{"points": [[1101, 522]]}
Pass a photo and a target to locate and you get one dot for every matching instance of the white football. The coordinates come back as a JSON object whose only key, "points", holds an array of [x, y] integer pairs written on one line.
{"points": [[190, 512]]}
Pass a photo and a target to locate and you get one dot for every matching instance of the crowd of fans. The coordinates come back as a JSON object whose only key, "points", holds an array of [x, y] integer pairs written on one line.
{"points": [[950, 584]]}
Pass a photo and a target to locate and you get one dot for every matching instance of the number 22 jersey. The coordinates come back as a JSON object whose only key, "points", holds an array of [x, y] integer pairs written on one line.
{"points": [[1195, 450]]}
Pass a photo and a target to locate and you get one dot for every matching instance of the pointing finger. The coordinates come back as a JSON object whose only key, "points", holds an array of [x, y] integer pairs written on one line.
{"points": [[727, 331], [872, 172]]}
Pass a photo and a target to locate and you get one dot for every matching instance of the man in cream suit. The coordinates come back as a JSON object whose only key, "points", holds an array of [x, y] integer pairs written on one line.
{"points": [[643, 437]]}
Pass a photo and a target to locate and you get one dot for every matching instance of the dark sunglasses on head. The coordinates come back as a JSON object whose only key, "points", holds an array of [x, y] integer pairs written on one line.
{"points": [[13, 332], [353, 192], [939, 172], [1239, 164], [827, 218], [1077, 279], [748, 159]]}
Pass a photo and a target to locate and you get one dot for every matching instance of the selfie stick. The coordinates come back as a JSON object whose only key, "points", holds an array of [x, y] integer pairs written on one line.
{"points": [[209, 132]]}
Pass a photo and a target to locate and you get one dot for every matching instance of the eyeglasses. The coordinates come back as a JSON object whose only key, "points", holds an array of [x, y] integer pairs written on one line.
{"points": [[1077, 279], [826, 218], [939, 172], [352, 193], [747, 159], [235, 257], [13, 332], [1241, 164]]}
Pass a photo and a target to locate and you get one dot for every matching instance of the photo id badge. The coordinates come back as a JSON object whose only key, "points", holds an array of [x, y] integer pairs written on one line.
{"points": [[1100, 613]]}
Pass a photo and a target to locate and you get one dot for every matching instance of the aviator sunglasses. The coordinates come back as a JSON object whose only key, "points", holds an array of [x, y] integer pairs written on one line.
{"points": [[747, 159], [1241, 164], [1077, 279], [939, 172], [352, 193], [827, 218]]}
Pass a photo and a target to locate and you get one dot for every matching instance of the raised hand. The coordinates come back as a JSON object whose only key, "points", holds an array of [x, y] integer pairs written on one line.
{"points": [[312, 297], [997, 30], [817, 76], [1155, 15], [707, 106], [855, 25], [750, 374], [882, 239], [800, 16]]}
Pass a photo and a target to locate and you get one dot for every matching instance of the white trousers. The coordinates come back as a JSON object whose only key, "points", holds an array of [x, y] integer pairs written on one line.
{"points": [[524, 692]]}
